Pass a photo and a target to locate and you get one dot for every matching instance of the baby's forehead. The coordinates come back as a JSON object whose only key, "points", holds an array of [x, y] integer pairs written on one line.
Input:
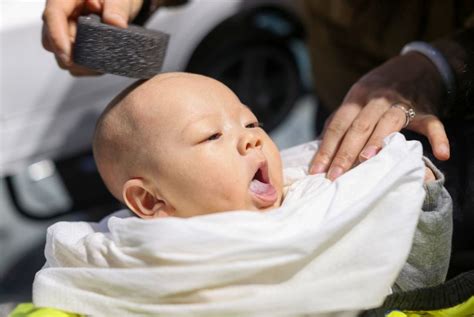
{"points": [[185, 95]]}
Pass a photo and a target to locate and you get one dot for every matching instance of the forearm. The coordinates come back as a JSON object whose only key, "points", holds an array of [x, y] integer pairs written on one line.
{"points": [[428, 261]]}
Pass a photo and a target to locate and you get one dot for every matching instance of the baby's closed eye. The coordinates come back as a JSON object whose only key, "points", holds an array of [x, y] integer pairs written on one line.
{"points": [[213, 137], [255, 124]]}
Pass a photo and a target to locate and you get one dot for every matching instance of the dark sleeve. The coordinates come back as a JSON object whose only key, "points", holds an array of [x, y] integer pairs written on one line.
{"points": [[150, 6], [458, 49]]}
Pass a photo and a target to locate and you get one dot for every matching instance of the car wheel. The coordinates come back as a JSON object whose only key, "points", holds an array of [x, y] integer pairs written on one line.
{"points": [[257, 65]]}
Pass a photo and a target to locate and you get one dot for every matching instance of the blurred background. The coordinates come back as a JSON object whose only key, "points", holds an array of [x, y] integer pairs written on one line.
{"points": [[47, 117]]}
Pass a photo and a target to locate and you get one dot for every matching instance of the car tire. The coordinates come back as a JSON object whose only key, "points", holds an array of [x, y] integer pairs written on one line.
{"points": [[254, 63]]}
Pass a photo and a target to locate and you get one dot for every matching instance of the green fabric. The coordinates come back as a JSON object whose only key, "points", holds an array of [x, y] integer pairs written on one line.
{"points": [[464, 309], [453, 298], [29, 310]]}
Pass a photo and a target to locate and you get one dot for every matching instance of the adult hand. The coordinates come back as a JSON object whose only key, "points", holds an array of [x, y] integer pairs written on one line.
{"points": [[356, 130], [60, 24]]}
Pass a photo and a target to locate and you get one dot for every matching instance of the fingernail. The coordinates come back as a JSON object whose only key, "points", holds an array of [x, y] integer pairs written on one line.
{"points": [[120, 20], [64, 58], [335, 172], [368, 152], [317, 168], [444, 149]]}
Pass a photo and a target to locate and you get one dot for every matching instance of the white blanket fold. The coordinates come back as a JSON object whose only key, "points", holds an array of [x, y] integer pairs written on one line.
{"points": [[331, 246]]}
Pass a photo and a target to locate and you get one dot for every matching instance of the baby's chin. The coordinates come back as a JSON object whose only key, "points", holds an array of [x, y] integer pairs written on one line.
{"points": [[265, 201], [275, 206]]}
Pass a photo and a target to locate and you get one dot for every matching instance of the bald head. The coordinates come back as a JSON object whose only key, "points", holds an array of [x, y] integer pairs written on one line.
{"points": [[181, 145], [123, 130], [113, 145]]}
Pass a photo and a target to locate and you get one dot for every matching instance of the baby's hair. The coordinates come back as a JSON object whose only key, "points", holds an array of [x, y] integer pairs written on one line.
{"points": [[112, 145], [119, 134], [117, 99]]}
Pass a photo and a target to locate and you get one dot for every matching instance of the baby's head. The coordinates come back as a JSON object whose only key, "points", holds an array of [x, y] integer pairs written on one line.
{"points": [[182, 145]]}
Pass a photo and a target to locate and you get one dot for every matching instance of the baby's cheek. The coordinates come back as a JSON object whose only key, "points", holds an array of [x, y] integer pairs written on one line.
{"points": [[232, 193], [225, 187], [276, 165]]}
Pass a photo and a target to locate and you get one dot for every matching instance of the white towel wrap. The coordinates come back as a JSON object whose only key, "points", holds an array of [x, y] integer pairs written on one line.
{"points": [[331, 247]]}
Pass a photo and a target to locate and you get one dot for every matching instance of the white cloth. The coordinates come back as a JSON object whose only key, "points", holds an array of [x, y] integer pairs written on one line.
{"points": [[331, 247]]}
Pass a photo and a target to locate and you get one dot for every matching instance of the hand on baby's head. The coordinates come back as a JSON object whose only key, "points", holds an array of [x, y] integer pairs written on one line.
{"points": [[183, 145]]}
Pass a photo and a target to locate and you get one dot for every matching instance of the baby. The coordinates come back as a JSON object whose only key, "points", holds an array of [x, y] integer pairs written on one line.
{"points": [[182, 145], [168, 151]]}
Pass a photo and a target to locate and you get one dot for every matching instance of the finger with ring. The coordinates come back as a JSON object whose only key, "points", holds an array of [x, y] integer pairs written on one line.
{"points": [[407, 110]]}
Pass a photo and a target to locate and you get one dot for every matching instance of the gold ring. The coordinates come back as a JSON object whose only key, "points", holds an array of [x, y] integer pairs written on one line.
{"points": [[408, 111]]}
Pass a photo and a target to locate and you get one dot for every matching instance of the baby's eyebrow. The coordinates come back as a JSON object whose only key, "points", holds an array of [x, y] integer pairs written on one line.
{"points": [[193, 122], [248, 108]]}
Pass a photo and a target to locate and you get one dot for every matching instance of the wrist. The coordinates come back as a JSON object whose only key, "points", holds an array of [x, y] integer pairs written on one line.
{"points": [[428, 92], [441, 64]]}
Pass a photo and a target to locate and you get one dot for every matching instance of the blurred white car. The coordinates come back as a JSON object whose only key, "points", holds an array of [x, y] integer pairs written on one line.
{"points": [[47, 116]]}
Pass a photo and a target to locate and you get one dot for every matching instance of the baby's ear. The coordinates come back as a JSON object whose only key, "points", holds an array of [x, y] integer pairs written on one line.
{"points": [[143, 202]]}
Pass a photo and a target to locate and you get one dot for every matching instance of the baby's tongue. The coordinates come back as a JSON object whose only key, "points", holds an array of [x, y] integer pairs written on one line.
{"points": [[263, 190]]}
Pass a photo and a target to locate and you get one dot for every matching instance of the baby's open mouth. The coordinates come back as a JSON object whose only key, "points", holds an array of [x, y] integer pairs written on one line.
{"points": [[261, 188], [262, 174]]}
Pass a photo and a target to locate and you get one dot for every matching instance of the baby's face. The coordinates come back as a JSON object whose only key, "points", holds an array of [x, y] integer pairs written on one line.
{"points": [[207, 152]]}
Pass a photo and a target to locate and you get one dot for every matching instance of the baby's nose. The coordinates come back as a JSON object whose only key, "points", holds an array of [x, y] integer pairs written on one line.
{"points": [[249, 141]]}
